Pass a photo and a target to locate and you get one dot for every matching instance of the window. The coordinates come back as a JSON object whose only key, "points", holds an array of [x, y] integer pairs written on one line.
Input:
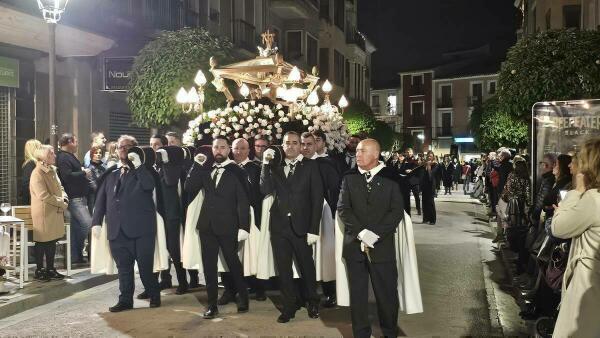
{"points": [[324, 10], [446, 129], [375, 100], [417, 85], [294, 44], [338, 13], [492, 87], [571, 16], [324, 63], [416, 108], [312, 51], [391, 104], [338, 68]]}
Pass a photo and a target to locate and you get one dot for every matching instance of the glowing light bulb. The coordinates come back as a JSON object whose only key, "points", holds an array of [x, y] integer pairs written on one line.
{"points": [[193, 96], [327, 86], [200, 79], [343, 103], [294, 75], [182, 96], [313, 98], [244, 90]]}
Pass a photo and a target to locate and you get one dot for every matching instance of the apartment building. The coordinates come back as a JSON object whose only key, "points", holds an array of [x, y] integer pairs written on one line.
{"points": [[542, 15], [99, 37], [384, 105], [417, 106]]}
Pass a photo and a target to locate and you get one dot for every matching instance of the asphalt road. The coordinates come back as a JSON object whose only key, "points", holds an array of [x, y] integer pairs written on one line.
{"points": [[459, 282]]}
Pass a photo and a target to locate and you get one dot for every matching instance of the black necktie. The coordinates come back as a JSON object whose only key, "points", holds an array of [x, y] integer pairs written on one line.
{"points": [[216, 174], [292, 167], [120, 181], [367, 178]]}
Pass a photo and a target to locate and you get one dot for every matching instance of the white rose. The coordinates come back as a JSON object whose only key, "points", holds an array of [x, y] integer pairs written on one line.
{"points": [[299, 117], [256, 125], [285, 119], [222, 120], [305, 122], [249, 129], [279, 130], [228, 129], [281, 113], [269, 127], [249, 119], [279, 106], [260, 106], [278, 136], [242, 121], [212, 125], [206, 131], [253, 102], [277, 125], [268, 132], [216, 131], [236, 135], [233, 119], [245, 136], [236, 109]]}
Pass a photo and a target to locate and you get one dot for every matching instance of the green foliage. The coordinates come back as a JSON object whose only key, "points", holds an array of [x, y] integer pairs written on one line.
{"points": [[494, 128], [360, 120], [167, 63], [552, 65]]}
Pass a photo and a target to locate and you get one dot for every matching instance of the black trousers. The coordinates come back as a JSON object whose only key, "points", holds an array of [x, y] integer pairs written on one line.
{"points": [[384, 279], [172, 230], [126, 251], [210, 254], [416, 191], [286, 247], [47, 249], [429, 214], [405, 191]]}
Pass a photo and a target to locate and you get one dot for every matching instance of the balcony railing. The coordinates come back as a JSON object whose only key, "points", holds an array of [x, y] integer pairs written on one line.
{"points": [[354, 37], [244, 35], [444, 102], [444, 131], [475, 100]]}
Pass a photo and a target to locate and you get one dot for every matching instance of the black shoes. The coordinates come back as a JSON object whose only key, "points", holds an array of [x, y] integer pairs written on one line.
{"points": [[41, 275], [120, 307], [242, 307], [143, 295], [226, 298], [329, 302], [211, 313], [260, 296], [53, 274], [194, 283], [181, 289], [313, 310], [285, 317], [155, 302], [165, 284]]}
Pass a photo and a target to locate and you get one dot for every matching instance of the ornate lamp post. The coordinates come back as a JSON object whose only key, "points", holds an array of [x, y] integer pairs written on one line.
{"points": [[192, 100], [52, 11]]}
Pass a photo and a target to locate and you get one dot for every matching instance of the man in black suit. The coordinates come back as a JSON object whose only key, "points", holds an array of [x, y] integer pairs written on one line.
{"points": [[295, 219], [348, 159], [241, 151], [125, 199], [415, 174], [371, 208], [224, 219]]}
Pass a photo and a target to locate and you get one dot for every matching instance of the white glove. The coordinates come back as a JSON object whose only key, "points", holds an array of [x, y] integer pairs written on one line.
{"points": [[135, 159], [200, 159], [96, 230], [243, 235], [163, 155], [311, 239], [268, 155], [368, 237]]}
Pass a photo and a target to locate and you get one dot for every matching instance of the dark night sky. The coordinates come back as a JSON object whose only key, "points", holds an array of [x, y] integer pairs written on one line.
{"points": [[413, 34]]}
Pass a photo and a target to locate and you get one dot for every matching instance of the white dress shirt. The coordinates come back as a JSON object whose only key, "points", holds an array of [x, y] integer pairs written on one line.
{"points": [[219, 168], [373, 171], [295, 161]]}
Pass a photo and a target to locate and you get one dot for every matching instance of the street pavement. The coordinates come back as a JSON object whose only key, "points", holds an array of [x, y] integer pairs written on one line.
{"points": [[461, 282]]}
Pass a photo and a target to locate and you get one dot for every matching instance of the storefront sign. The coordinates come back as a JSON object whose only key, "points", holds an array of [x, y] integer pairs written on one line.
{"points": [[9, 72], [117, 72]]}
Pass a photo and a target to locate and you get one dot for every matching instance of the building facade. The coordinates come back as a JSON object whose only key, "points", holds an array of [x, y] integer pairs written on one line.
{"points": [[542, 15], [99, 39], [384, 105]]}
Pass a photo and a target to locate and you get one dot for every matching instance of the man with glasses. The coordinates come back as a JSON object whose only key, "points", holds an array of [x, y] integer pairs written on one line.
{"points": [[125, 203], [260, 145]]}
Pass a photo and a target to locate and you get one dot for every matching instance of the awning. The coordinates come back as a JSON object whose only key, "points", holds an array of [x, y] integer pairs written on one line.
{"points": [[25, 30]]}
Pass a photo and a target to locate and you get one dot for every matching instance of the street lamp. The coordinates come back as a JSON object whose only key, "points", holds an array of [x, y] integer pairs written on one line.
{"points": [[52, 11], [192, 100]]}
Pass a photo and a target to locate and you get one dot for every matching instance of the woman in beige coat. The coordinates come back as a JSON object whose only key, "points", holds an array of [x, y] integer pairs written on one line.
{"points": [[578, 217], [48, 203]]}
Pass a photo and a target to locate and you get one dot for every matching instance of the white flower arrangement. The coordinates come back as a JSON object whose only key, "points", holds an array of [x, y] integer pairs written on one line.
{"points": [[250, 120]]}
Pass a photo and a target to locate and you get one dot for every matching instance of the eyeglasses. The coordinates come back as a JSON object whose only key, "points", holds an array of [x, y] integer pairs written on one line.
{"points": [[259, 146], [125, 146]]}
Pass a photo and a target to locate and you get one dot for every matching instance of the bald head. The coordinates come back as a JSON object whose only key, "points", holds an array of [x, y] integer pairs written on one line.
{"points": [[241, 150], [367, 154]]}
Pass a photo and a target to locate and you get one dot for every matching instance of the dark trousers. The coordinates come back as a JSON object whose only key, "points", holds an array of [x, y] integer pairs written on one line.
{"points": [[286, 246], [126, 251], [405, 190], [384, 279], [416, 191], [493, 197], [429, 214], [210, 254], [172, 230], [254, 283], [47, 249]]}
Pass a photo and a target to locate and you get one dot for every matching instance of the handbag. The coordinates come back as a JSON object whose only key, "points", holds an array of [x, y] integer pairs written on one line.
{"points": [[557, 266]]}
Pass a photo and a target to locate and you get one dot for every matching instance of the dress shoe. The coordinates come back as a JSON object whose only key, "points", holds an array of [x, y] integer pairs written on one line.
{"points": [[155, 302], [431, 223], [260, 296], [143, 295], [329, 302], [41, 275], [181, 289], [120, 307], [285, 317], [211, 313], [226, 298], [194, 283], [313, 310], [165, 284], [53, 274], [242, 307]]}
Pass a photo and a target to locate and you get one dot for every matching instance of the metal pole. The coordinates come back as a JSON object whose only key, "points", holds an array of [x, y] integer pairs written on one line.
{"points": [[51, 77]]}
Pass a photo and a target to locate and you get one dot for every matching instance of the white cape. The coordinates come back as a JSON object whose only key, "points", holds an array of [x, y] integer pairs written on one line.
{"points": [[409, 289], [102, 260], [191, 254], [323, 250]]}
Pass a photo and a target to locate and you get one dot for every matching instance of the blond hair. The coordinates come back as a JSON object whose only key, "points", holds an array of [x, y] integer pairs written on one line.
{"points": [[588, 163], [41, 153], [29, 153]]}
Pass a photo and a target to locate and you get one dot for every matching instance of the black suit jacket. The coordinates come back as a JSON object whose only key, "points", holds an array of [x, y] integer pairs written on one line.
{"points": [[226, 207], [252, 169], [331, 181], [130, 209], [71, 176], [170, 175], [300, 196], [379, 211]]}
